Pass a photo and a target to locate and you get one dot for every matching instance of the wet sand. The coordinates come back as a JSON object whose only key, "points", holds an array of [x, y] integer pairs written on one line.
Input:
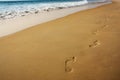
{"points": [[19, 23], [81, 46]]}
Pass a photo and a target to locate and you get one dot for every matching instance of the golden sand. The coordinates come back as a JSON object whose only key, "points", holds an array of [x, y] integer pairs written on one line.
{"points": [[81, 46]]}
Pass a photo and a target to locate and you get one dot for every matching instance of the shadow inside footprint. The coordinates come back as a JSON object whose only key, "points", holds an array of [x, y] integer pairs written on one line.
{"points": [[94, 44]]}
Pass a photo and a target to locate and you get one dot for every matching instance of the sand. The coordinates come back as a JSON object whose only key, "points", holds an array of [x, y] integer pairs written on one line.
{"points": [[81, 46]]}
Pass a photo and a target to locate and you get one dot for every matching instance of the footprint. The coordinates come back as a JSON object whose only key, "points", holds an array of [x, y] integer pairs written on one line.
{"points": [[99, 30], [96, 32], [104, 26], [107, 18], [68, 64], [94, 44]]}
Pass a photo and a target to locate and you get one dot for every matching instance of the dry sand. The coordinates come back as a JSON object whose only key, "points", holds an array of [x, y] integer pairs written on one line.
{"points": [[82, 46]]}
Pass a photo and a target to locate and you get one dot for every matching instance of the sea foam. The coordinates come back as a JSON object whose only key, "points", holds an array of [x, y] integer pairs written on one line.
{"points": [[13, 9]]}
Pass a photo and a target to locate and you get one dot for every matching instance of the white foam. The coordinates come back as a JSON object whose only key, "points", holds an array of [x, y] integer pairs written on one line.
{"points": [[11, 11]]}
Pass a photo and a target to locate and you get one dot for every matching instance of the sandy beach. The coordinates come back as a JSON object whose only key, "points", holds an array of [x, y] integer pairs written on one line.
{"points": [[82, 46]]}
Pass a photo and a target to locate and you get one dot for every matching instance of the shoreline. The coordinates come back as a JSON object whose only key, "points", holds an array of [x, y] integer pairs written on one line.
{"points": [[7, 14], [10, 26]]}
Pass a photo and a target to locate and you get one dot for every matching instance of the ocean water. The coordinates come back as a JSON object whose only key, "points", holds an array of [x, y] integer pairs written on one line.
{"points": [[11, 9]]}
